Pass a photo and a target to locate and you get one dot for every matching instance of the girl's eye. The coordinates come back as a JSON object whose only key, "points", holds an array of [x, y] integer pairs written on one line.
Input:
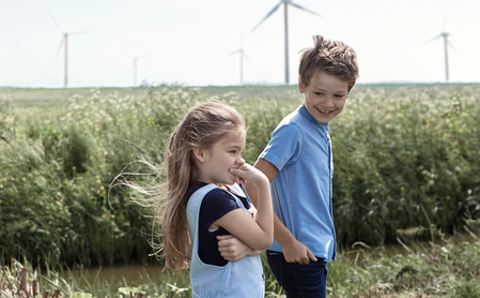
{"points": [[233, 151], [318, 93]]}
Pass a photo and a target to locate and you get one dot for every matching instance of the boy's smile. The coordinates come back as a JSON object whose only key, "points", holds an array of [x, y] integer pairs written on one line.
{"points": [[325, 96]]}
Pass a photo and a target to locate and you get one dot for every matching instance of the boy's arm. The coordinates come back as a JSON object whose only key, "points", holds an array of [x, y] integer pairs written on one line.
{"points": [[293, 250]]}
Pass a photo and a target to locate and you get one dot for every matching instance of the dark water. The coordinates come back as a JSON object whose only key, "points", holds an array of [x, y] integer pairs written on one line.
{"points": [[135, 275], [120, 275]]}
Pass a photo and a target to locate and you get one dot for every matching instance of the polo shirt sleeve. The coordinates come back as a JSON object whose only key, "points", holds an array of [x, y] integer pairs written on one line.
{"points": [[283, 148]]}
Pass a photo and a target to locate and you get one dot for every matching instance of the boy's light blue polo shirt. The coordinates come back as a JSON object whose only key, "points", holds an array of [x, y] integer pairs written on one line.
{"points": [[300, 148]]}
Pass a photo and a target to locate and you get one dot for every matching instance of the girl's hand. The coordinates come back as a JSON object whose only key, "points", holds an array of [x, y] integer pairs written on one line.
{"points": [[232, 249], [257, 233], [249, 173]]}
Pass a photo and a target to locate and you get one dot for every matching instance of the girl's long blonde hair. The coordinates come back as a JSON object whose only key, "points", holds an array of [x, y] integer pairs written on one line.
{"points": [[201, 127]]}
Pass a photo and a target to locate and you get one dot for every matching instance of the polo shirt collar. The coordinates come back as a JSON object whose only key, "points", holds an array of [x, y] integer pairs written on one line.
{"points": [[305, 114]]}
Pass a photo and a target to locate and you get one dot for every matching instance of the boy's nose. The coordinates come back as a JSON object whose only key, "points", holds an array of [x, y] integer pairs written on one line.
{"points": [[328, 100]]}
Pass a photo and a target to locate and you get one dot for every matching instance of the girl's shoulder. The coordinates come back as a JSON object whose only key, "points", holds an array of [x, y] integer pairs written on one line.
{"points": [[222, 196]]}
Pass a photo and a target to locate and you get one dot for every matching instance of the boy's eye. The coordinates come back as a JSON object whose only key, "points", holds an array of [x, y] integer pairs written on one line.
{"points": [[338, 95], [318, 93]]}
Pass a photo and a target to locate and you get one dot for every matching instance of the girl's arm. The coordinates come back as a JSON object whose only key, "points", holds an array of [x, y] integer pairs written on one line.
{"points": [[256, 233]]}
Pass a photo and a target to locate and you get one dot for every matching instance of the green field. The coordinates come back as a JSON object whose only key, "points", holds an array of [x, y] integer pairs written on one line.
{"points": [[26, 96], [407, 166]]}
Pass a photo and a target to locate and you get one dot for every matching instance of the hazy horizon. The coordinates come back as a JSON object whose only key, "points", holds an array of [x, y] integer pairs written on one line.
{"points": [[191, 42]]}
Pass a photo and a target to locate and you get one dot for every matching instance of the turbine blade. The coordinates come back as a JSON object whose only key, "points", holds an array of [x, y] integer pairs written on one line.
{"points": [[451, 45], [304, 9], [128, 51], [444, 20], [241, 40], [233, 53], [436, 37], [245, 55], [268, 14], [56, 23], [78, 32], [59, 48]]}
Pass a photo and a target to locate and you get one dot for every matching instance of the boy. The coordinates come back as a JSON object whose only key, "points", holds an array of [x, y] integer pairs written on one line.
{"points": [[298, 162]]}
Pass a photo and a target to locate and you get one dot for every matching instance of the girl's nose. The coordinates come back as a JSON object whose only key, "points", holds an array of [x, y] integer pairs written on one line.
{"points": [[240, 161]]}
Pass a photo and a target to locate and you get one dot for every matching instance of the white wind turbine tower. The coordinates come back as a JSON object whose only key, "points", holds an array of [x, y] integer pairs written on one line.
{"points": [[134, 66], [65, 43], [242, 54], [286, 3], [446, 43]]}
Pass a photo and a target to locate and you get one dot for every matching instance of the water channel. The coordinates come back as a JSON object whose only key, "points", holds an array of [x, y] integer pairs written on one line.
{"points": [[139, 274]]}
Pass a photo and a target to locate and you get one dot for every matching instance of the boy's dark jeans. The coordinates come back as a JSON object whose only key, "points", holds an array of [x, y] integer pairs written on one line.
{"points": [[299, 280]]}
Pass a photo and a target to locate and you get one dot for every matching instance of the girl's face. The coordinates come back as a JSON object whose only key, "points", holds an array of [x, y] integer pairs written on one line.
{"points": [[216, 162]]}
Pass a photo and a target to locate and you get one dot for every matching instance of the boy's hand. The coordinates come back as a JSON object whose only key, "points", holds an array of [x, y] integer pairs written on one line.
{"points": [[232, 249], [297, 252]]}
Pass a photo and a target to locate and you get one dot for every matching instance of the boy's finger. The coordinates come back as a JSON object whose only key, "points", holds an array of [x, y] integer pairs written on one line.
{"points": [[311, 256]]}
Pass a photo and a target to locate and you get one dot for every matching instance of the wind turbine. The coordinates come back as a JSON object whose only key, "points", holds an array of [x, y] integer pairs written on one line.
{"points": [[134, 66], [444, 35], [242, 54], [65, 41], [286, 3]]}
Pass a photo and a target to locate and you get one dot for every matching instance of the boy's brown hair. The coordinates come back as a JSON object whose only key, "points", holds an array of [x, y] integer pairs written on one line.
{"points": [[333, 57]]}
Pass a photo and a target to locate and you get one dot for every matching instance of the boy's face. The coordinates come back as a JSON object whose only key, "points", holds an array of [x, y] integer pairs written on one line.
{"points": [[325, 96]]}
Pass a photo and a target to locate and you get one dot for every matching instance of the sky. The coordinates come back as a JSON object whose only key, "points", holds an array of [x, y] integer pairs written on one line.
{"points": [[190, 42]]}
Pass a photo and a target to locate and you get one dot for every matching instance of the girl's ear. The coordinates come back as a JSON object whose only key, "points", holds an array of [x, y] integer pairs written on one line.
{"points": [[198, 153]]}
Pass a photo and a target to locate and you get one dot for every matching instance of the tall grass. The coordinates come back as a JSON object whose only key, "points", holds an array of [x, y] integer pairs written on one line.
{"points": [[398, 152], [394, 152], [447, 269]]}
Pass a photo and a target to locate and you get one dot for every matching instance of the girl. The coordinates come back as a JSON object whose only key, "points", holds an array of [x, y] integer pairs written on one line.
{"points": [[205, 198]]}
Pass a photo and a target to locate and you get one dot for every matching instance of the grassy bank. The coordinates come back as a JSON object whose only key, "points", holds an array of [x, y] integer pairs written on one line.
{"points": [[444, 269]]}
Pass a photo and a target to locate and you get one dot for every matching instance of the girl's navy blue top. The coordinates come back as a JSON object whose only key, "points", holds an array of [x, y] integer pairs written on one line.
{"points": [[215, 205]]}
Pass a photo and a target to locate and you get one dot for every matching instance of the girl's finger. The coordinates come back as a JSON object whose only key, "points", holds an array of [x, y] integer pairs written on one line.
{"points": [[224, 237], [239, 180]]}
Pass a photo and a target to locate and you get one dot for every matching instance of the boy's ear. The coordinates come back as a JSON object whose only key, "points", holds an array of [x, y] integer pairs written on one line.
{"points": [[301, 88], [198, 153]]}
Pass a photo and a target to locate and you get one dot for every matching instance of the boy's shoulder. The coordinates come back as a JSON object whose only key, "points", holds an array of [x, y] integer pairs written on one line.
{"points": [[295, 122], [291, 119]]}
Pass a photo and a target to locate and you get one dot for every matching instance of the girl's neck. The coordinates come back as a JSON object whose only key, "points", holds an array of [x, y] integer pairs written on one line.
{"points": [[222, 186]]}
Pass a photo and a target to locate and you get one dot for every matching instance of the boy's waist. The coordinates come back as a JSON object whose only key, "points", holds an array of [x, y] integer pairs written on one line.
{"points": [[324, 249]]}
